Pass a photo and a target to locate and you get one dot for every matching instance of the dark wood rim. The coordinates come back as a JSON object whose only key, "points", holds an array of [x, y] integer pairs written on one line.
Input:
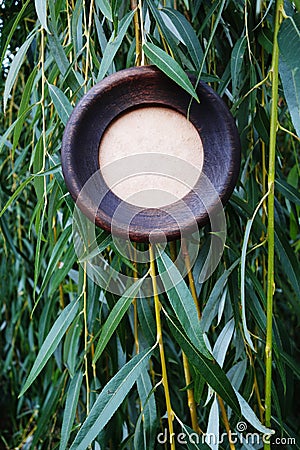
{"points": [[132, 88]]}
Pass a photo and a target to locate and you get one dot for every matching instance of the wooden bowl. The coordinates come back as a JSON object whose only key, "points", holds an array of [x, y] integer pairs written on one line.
{"points": [[119, 94]]}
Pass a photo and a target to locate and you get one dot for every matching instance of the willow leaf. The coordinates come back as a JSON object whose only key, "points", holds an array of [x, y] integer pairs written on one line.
{"points": [[51, 342], [182, 302], [209, 369], [115, 317], [187, 34], [170, 67], [15, 67], [114, 45], [70, 409], [110, 398]]}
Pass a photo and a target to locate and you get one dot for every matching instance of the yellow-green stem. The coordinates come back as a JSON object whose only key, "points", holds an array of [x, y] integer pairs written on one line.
{"points": [[157, 306], [271, 220], [134, 6], [142, 63], [190, 276], [226, 422]]}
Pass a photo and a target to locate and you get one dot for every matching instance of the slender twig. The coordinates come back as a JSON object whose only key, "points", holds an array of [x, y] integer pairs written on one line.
{"points": [[88, 37], [134, 6], [271, 219], [157, 306], [190, 276], [288, 132], [226, 422], [142, 33]]}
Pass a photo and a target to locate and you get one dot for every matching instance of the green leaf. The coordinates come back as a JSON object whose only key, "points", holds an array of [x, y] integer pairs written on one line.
{"points": [[115, 317], [24, 107], [291, 85], [213, 425], [113, 45], [250, 416], [237, 57], [95, 249], [188, 35], [288, 191], [71, 345], [288, 259], [74, 79], [16, 194], [146, 319], [148, 417], [110, 398], [243, 271], [181, 301], [194, 442], [211, 308], [15, 67], [209, 369], [61, 103], [56, 257], [105, 8], [223, 341], [41, 10], [62, 271], [289, 67], [12, 30], [70, 409], [51, 342], [170, 67], [164, 31]]}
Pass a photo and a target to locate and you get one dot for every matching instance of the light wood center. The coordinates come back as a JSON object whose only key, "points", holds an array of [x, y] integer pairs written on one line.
{"points": [[151, 156]]}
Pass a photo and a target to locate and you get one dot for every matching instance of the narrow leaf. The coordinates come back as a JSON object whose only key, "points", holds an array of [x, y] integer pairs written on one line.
{"points": [[193, 441], [70, 409], [236, 63], [41, 10], [110, 398], [209, 369], [211, 308], [114, 45], [15, 67], [148, 410], [288, 191], [243, 271], [115, 317], [52, 340], [223, 341], [250, 416], [61, 102], [181, 301], [187, 34], [288, 41], [56, 257], [105, 8], [23, 108], [212, 433], [16, 194], [12, 30], [170, 67]]}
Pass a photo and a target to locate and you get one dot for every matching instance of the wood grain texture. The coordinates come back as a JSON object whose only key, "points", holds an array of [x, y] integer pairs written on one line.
{"points": [[118, 93]]}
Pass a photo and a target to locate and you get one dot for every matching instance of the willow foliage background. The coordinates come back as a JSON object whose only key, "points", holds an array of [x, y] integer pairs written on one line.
{"points": [[52, 316]]}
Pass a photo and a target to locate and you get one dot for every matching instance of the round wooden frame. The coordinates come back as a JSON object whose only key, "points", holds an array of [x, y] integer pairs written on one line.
{"points": [[133, 88]]}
